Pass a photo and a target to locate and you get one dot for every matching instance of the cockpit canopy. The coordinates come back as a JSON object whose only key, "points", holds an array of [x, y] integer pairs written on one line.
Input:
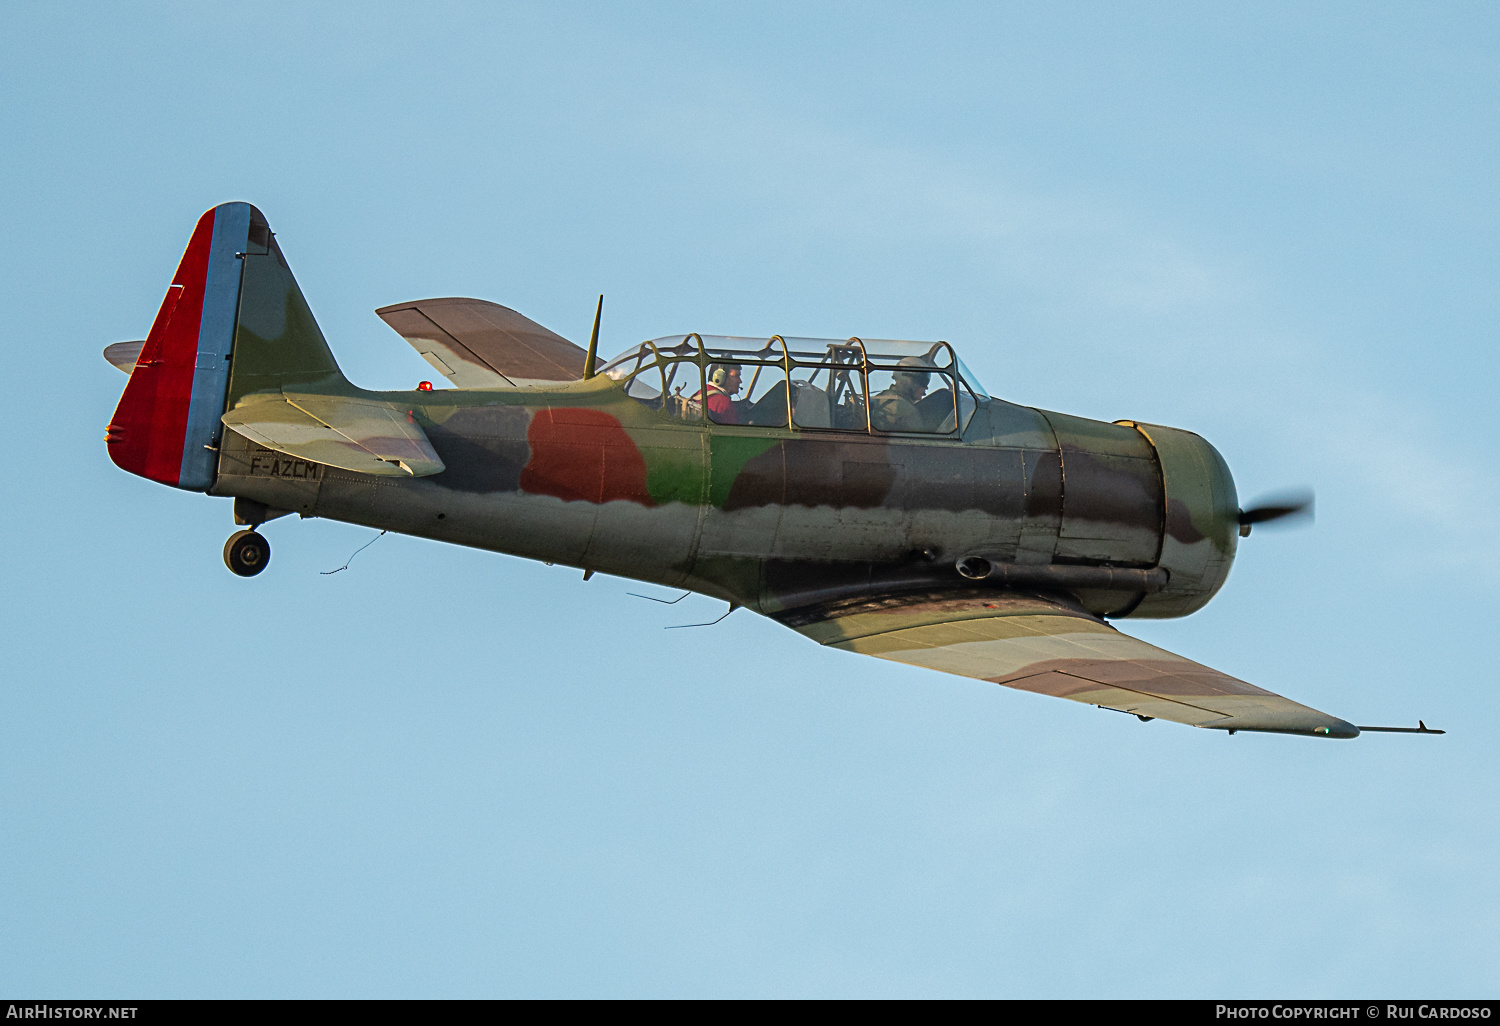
{"points": [[877, 386]]}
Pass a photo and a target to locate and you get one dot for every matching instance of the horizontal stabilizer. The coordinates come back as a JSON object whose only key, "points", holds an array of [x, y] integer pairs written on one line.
{"points": [[124, 354], [476, 344], [363, 435]]}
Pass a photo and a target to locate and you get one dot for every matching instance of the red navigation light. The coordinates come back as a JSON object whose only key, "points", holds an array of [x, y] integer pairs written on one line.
{"points": [[424, 386]]}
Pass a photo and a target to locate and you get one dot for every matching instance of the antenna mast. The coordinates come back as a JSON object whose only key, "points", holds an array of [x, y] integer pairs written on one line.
{"points": [[593, 353]]}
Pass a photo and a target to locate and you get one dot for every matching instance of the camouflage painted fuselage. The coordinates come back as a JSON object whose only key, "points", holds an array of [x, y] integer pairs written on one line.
{"points": [[773, 518], [581, 473]]}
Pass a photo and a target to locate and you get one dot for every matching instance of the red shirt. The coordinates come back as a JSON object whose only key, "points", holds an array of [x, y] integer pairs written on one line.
{"points": [[721, 408]]}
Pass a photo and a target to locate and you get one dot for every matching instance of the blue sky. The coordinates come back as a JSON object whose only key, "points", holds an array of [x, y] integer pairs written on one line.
{"points": [[448, 772]]}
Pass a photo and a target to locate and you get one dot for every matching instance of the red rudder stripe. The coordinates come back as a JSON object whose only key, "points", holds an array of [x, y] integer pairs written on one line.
{"points": [[166, 426], [145, 436]]}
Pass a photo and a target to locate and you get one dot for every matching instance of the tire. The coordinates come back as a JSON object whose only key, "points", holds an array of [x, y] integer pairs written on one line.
{"points": [[246, 553]]}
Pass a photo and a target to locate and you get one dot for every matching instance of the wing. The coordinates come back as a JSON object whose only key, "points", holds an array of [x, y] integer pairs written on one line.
{"points": [[475, 344], [353, 434], [1045, 645]]}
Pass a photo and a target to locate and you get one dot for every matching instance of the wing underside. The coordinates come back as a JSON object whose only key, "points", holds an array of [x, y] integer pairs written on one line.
{"points": [[476, 344], [1045, 645]]}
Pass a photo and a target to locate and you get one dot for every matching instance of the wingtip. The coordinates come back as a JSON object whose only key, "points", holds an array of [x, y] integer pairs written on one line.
{"points": [[1338, 728]]}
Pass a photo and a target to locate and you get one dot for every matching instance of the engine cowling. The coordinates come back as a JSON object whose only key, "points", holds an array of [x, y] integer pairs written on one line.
{"points": [[1201, 524]]}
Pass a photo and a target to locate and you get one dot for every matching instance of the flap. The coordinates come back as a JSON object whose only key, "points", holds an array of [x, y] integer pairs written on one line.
{"points": [[475, 344], [1045, 645], [364, 435]]}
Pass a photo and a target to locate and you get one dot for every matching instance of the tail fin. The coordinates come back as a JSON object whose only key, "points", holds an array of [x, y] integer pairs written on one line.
{"points": [[233, 322]]}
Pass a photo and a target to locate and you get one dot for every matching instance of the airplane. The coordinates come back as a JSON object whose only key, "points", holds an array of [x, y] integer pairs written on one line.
{"points": [[870, 494]]}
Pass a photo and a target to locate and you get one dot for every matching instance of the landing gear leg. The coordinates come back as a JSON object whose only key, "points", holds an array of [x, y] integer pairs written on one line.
{"points": [[247, 553]]}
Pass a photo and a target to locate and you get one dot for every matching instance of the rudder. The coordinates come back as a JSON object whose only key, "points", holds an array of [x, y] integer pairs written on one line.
{"points": [[166, 426], [233, 322]]}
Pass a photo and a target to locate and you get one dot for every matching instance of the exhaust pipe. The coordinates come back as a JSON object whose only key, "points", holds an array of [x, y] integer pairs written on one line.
{"points": [[1062, 577]]}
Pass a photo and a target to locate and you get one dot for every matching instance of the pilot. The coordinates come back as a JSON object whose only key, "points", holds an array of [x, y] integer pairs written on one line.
{"points": [[895, 408], [723, 386]]}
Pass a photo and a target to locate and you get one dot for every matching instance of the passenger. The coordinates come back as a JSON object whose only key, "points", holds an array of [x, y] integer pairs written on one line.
{"points": [[895, 408], [723, 385]]}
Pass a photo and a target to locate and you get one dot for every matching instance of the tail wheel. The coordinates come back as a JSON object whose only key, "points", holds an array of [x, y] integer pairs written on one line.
{"points": [[246, 553]]}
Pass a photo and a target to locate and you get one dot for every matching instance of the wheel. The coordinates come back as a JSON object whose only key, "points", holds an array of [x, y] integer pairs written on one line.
{"points": [[246, 553]]}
